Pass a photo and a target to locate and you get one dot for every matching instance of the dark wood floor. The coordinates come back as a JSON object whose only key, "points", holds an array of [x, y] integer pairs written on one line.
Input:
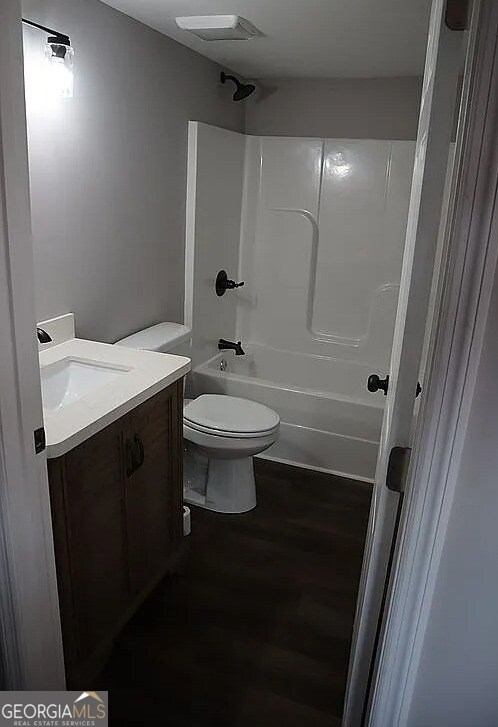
{"points": [[257, 631]]}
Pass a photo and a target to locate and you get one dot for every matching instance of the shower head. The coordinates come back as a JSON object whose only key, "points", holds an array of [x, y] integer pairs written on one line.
{"points": [[242, 91]]}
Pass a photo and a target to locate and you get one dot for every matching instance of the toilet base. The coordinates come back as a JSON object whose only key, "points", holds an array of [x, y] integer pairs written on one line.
{"points": [[219, 485], [230, 485]]}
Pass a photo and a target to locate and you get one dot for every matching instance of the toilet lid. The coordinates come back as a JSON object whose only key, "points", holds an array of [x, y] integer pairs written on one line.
{"points": [[230, 414]]}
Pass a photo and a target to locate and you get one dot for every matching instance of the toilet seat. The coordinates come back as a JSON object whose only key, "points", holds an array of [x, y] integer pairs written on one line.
{"points": [[225, 433], [230, 416]]}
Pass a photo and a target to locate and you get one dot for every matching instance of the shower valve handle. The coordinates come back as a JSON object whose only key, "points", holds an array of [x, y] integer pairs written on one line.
{"points": [[223, 283]]}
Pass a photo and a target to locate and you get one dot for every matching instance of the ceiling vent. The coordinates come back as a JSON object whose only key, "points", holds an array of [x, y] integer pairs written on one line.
{"points": [[219, 27]]}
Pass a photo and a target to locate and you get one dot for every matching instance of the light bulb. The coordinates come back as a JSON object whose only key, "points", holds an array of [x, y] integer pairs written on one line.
{"points": [[59, 70]]}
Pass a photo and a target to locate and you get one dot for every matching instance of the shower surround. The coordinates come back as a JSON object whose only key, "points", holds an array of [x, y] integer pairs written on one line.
{"points": [[315, 228]]}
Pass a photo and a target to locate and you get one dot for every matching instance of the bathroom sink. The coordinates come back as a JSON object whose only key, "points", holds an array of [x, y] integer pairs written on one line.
{"points": [[67, 380]]}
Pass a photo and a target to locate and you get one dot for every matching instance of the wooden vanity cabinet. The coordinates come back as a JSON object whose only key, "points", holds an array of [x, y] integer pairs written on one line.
{"points": [[154, 492], [118, 525]]}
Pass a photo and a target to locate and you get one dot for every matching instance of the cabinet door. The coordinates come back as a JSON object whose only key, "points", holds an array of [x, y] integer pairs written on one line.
{"points": [[95, 524], [154, 492]]}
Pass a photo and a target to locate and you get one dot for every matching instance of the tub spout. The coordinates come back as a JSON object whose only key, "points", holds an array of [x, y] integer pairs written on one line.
{"points": [[224, 345]]}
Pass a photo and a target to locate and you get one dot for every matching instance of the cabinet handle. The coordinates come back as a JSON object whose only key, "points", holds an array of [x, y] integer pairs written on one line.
{"points": [[141, 452], [130, 460], [134, 458]]}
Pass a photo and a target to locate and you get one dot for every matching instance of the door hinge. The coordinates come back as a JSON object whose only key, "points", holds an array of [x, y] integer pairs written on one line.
{"points": [[397, 468], [40, 440], [457, 14]]}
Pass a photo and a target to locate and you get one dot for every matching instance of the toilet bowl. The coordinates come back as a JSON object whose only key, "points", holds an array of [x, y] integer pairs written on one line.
{"points": [[224, 433], [221, 433]]}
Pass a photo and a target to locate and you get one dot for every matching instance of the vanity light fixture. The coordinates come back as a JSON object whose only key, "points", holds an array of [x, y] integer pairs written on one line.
{"points": [[59, 54]]}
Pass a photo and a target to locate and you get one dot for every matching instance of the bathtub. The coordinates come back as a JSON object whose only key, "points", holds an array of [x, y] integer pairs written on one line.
{"points": [[330, 422]]}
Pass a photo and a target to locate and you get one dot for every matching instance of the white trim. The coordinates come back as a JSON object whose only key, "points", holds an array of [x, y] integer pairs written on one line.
{"points": [[30, 623], [473, 253], [314, 468], [191, 203]]}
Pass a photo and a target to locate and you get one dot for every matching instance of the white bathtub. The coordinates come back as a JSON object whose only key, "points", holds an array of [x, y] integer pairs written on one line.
{"points": [[329, 420]]}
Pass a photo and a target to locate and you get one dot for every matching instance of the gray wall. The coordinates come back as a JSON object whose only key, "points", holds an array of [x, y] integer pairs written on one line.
{"points": [[108, 168], [457, 682], [371, 108]]}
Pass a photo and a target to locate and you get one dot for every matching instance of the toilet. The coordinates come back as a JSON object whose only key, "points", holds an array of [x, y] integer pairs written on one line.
{"points": [[222, 433], [229, 431]]}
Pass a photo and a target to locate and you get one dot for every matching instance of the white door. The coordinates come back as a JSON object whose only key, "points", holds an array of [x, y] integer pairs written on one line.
{"points": [[30, 634], [436, 123]]}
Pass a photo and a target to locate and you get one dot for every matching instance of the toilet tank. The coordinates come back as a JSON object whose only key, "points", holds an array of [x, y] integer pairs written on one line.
{"points": [[164, 337]]}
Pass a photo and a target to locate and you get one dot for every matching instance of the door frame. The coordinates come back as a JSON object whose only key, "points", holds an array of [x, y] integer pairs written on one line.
{"points": [[30, 632], [464, 296], [438, 107]]}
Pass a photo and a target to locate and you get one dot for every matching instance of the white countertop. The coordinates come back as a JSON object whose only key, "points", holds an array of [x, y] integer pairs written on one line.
{"points": [[148, 374]]}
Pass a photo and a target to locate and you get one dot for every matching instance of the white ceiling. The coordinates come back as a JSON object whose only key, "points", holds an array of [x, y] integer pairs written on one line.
{"points": [[304, 38]]}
